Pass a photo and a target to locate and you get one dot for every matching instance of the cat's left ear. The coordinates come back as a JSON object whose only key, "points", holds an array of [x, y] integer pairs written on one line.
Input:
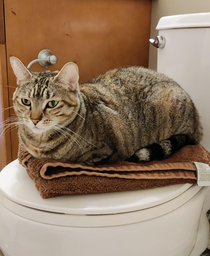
{"points": [[68, 76]]}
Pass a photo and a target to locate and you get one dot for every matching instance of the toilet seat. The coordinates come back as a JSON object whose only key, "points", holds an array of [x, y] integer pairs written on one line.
{"points": [[19, 195]]}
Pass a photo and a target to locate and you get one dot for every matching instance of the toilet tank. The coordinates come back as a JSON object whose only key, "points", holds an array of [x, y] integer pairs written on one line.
{"points": [[186, 58]]}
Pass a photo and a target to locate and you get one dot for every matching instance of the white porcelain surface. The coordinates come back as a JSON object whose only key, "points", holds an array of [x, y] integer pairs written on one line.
{"points": [[191, 20], [171, 234], [18, 187], [98, 220]]}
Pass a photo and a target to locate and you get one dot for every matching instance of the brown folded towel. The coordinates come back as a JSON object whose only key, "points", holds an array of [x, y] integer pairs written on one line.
{"points": [[53, 178]]}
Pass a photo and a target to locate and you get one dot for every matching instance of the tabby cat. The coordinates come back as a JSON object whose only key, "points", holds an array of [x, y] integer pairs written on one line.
{"points": [[128, 113]]}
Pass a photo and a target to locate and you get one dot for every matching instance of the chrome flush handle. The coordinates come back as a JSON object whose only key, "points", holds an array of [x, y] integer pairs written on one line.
{"points": [[45, 59], [158, 42]]}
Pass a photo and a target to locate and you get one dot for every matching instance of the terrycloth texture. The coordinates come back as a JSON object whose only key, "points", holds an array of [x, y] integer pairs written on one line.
{"points": [[53, 178]]}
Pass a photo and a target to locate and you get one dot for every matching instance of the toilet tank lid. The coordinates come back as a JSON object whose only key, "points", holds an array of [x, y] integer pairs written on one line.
{"points": [[192, 20]]}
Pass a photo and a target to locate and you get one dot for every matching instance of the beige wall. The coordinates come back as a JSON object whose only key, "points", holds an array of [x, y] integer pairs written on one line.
{"points": [[172, 7]]}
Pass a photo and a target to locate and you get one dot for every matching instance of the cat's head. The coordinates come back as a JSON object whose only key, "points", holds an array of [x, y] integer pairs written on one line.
{"points": [[45, 100]]}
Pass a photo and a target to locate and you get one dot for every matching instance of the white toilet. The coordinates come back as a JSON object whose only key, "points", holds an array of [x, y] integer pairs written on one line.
{"points": [[154, 222]]}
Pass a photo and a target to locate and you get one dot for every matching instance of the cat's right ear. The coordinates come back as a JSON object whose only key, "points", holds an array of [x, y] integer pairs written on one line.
{"points": [[21, 72]]}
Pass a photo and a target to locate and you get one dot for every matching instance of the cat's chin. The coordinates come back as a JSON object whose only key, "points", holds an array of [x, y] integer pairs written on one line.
{"points": [[37, 130]]}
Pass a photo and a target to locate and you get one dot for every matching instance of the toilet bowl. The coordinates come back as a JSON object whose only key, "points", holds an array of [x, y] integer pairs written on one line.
{"points": [[158, 221], [161, 221]]}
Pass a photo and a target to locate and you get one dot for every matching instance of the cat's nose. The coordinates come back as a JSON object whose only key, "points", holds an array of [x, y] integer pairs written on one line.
{"points": [[35, 121]]}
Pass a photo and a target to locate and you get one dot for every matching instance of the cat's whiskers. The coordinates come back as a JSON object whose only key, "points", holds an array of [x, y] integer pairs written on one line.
{"points": [[9, 126], [67, 135], [4, 109], [7, 121], [68, 129], [9, 86], [79, 115]]}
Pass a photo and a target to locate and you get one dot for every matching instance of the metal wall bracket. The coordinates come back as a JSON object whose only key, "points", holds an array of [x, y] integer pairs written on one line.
{"points": [[45, 59]]}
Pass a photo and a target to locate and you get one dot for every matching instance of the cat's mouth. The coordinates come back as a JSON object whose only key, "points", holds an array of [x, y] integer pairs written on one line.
{"points": [[36, 129]]}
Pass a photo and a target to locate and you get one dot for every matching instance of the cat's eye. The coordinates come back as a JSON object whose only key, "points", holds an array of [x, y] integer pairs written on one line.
{"points": [[52, 104], [26, 102]]}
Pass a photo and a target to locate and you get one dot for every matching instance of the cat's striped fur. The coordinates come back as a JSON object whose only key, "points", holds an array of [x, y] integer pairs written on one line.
{"points": [[127, 113]]}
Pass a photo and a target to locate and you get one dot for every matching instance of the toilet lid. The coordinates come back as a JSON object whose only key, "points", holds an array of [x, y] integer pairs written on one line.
{"points": [[17, 186]]}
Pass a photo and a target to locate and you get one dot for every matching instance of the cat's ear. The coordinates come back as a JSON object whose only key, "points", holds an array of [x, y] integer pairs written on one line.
{"points": [[68, 76], [21, 72]]}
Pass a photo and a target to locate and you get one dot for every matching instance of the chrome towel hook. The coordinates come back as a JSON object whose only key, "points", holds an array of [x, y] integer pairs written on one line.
{"points": [[45, 58]]}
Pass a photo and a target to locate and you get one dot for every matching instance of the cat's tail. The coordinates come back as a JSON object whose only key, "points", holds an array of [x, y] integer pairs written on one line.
{"points": [[162, 150]]}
